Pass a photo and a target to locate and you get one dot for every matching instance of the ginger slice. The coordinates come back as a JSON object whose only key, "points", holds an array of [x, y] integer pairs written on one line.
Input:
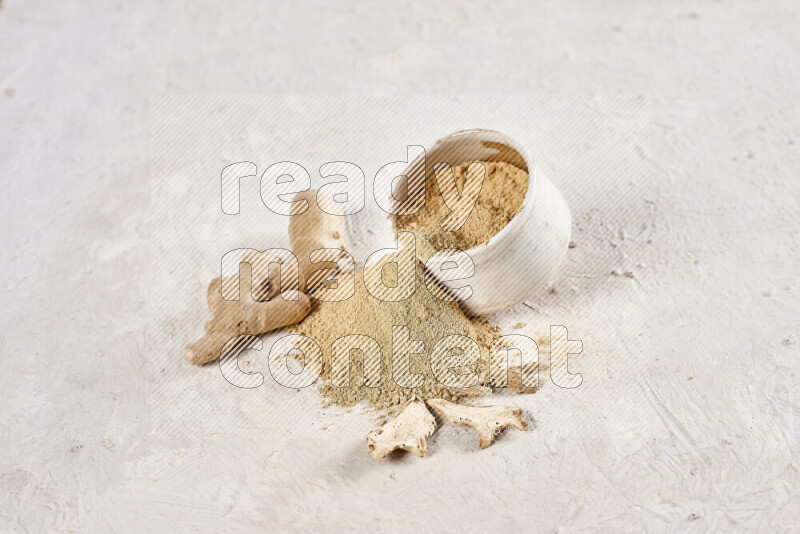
{"points": [[407, 431], [488, 421]]}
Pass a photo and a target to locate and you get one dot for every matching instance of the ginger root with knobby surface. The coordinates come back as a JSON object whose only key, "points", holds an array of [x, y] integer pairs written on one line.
{"points": [[314, 230], [244, 316], [310, 231]]}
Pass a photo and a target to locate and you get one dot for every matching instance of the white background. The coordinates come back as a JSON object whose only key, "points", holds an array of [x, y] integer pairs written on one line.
{"points": [[672, 131]]}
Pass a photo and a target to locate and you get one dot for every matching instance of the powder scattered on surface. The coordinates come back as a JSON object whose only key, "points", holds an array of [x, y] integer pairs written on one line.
{"points": [[428, 318], [500, 199]]}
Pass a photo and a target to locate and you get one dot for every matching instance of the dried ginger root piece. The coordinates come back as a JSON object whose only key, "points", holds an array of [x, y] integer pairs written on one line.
{"points": [[517, 383], [514, 375], [243, 316], [488, 421], [477, 390], [407, 431], [262, 310], [318, 230], [517, 379]]}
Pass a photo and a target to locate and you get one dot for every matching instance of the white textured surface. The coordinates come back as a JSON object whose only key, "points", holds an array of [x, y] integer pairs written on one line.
{"points": [[104, 428]]}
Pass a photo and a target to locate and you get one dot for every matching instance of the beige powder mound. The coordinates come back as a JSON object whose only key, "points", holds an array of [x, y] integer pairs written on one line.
{"points": [[428, 319], [500, 199]]}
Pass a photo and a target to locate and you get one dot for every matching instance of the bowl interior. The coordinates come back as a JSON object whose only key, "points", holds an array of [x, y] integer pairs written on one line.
{"points": [[455, 149]]}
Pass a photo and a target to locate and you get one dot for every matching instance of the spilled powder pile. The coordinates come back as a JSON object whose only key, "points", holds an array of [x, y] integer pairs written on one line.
{"points": [[428, 319], [500, 199]]}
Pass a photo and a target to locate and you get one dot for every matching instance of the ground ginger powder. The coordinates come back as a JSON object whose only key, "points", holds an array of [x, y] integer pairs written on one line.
{"points": [[428, 318], [500, 199]]}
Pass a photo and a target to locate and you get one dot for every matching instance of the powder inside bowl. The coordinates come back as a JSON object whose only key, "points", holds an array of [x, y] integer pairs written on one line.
{"points": [[500, 199]]}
